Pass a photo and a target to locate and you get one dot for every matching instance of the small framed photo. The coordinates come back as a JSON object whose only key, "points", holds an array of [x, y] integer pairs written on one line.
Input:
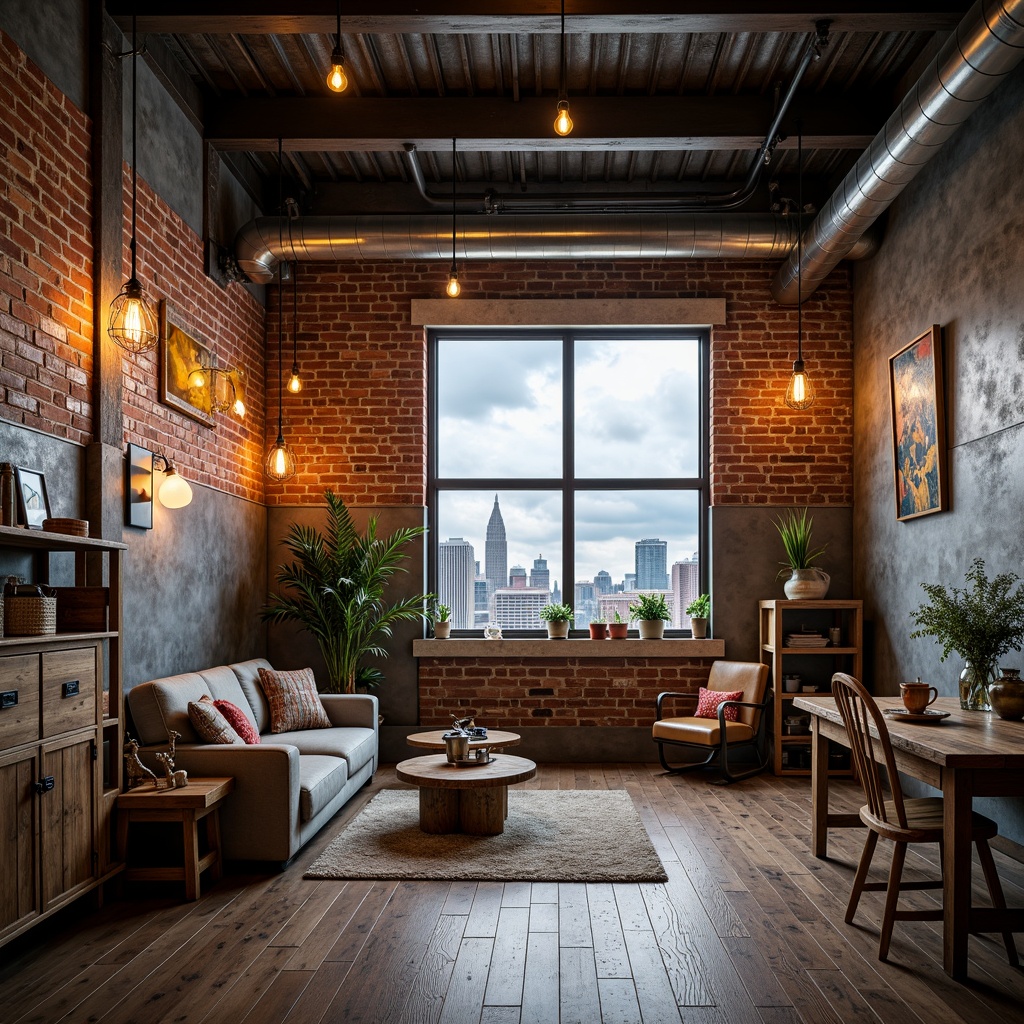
{"points": [[139, 487], [33, 504], [918, 426], [180, 354]]}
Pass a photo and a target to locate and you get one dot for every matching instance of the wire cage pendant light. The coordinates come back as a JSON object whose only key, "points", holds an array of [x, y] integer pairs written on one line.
{"points": [[563, 122], [800, 392], [132, 323], [337, 80], [453, 288]]}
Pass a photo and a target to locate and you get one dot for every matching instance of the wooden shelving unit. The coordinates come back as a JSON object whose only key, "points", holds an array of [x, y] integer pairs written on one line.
{"points": [[61, 739], [815, 665]]}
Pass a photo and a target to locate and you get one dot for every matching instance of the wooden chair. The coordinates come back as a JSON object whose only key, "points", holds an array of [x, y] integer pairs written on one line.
{"points": [[716, 737], [915, 820]]}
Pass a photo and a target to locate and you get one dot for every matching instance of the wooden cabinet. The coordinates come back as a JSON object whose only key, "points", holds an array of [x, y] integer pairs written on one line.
{"points": [[60, 742], [780, 622]]}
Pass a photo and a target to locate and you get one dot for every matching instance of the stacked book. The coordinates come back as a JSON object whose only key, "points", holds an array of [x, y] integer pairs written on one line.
{"points": [[806, 640]]}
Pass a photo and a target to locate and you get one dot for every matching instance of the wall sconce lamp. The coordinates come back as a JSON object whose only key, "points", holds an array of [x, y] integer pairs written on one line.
{"points": [[337, 80], [799, 393], [174, 491], [226, 384], [563, 122]]}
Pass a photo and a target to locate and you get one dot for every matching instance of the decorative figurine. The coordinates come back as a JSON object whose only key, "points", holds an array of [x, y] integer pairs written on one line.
{"points": [[138, 773], [175, 779]]}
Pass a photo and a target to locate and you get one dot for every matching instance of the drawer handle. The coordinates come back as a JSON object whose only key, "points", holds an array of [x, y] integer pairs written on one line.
{"points": [[45, 784], [8, 699], [69, 689]]}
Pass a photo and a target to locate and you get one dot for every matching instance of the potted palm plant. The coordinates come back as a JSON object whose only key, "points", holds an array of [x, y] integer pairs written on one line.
{"points": [[557, 617], [804, 580], [981, 624], [651, 613], [699, 610], [335, 588]]}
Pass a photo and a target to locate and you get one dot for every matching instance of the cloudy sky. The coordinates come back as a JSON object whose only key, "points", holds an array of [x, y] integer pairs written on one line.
{"points": [[636, 415]]}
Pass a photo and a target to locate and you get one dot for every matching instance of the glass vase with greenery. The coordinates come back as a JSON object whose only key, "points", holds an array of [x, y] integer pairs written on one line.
{"points": [[335, 588], [981, 623]]}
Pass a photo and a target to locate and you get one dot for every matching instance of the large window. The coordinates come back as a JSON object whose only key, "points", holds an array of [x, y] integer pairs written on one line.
{"points": [[567, 466]]}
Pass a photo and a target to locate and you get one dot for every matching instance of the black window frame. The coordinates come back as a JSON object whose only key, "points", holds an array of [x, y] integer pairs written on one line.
{"points": [[567, 484]]}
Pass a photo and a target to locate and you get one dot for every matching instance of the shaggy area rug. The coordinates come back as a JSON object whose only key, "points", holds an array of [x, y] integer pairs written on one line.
{"points": [[550, 836]]}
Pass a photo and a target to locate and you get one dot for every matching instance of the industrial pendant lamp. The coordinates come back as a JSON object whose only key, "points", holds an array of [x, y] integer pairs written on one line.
{"points": [[295, 382], [800, 393], [279, 464], [132, 323], [453, 287], [337, 80], [563, 122]]}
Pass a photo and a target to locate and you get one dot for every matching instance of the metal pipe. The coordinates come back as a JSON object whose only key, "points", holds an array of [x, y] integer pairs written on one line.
{"points": [[985, 47]]}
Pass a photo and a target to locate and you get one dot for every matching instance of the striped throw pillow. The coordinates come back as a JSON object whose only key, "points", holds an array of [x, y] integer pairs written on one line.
{"points": [[294, 702]]}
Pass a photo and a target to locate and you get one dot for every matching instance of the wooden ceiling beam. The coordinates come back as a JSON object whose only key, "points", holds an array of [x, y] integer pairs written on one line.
{"points": [[446, 17], [336, 124]]}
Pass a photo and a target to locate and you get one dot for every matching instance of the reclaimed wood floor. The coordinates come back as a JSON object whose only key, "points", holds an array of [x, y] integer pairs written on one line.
{"points": [[748, 930]]}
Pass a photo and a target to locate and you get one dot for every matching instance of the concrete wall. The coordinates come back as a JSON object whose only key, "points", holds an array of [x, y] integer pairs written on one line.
{"points": [[952, 255]]}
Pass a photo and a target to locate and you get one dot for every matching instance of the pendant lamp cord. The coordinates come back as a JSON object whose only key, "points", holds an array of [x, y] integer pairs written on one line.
{"points": [[799, 241], [295, 314], [135, 51], [454, 172], [561, 62], [280, 304], [337, 38]]}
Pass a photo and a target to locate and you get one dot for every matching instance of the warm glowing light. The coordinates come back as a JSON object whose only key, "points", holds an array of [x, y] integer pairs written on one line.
{"points": [[563, 122], [174, 491], [337, 80], [132, 323], [294, 381], [197, 378], [280, 461], [239, 408], [800, 393], [453, 288]]}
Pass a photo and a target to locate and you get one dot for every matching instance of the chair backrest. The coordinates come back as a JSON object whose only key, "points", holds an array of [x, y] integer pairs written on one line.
{"points": [[748, 676], [859, 712]]}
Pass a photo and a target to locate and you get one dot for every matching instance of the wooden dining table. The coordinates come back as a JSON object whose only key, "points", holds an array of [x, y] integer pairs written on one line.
{"points": [[968, 754]]}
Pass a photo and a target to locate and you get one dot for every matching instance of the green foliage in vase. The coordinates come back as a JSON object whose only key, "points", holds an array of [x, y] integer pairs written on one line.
{"points": [[699, 607], [981, 622], [649, 607], [335, 588], [556, 613], [795, 531]]}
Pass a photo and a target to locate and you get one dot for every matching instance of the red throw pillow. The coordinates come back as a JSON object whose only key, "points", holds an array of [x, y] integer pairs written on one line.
{"points": [[708, 701], [238, 720]]}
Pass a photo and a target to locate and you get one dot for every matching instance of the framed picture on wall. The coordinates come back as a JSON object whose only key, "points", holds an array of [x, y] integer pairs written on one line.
{"points": [[180, 354], [138, 490], [33, 502], [918, 426]]}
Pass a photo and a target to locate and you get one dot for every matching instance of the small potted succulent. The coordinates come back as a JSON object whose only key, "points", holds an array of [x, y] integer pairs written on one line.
{"points": [[699, 610], [651, 613], [440, 617], [598, 628], [558, 617], [617, 629]]}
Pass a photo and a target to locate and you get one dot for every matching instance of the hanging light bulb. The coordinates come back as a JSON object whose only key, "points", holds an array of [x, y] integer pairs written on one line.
{"points": [[132, 323], [294, 382], [452, 288], [799, 393], [563, 122], [280, 464], [337, 80]]}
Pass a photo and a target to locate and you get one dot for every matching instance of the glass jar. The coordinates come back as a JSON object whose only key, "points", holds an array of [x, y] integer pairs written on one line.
{"points": [[974, 683]]}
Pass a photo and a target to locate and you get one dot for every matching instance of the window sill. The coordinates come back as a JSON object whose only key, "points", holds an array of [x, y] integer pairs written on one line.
{"points": [[677, 648]]}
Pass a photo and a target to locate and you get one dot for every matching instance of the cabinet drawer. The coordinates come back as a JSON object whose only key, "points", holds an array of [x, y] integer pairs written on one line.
{"points": [[19, 684], [69, 690]]}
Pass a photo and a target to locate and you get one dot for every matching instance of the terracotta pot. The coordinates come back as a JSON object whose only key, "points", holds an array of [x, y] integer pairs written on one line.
{"points": [[1006, 695], [598, 630], [651, 629], [618, 630], [807, 584]]}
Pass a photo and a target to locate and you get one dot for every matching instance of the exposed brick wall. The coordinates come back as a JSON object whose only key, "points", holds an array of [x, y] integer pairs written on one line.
{"points": [[359, 424], [45, 253], [519, 692]]}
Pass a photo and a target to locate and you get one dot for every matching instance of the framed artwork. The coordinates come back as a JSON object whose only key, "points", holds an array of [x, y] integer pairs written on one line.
{"points": [[33, 503], [918, 426], [138, 487], [180, 355]]}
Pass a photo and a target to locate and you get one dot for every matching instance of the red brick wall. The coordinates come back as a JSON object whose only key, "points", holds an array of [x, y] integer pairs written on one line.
{"points": [[359, 425], [520, 692], [45, 253]]}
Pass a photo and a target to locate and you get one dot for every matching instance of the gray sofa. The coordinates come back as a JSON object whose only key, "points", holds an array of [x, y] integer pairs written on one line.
{"points": [[288, 785]]}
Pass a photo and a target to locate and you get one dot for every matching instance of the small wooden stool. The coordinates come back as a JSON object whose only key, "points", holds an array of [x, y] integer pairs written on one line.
{"points": [[200, 799]]}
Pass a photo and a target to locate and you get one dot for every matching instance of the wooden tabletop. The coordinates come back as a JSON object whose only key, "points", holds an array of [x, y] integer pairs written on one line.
{"points": [[435, 772], [967, 739], [198, 793], [494, 740]]}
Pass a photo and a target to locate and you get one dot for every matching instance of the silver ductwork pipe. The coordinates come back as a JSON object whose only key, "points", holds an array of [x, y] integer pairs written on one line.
{"points": [[985, 47], [265, 242]]}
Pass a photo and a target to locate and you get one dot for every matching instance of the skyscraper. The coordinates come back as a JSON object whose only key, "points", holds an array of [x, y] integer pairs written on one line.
{"points": [[540, 577], [495, 552], [517, 577], [456, 570], [651, 564], [603, 582], [685, 588]]}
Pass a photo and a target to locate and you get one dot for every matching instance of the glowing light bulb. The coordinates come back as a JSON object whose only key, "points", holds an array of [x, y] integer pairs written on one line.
{"points": [[800, 393], [239, 408], [279, 461], [294, 382], [563, 122], [337, 80], [197, 378], [174, 491], [133, 321], [453, 287]]}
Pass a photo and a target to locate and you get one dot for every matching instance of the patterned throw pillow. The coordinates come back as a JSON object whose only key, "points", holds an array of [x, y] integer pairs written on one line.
{"points": [[294, 702], [708, 701], [211, 725], [238, 720]]}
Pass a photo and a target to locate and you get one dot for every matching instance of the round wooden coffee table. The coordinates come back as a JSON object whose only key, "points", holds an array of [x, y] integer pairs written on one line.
{"points": [[494, 740], [471, 799]]}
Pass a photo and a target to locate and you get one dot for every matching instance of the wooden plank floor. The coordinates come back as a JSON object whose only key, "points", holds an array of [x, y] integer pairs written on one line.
{"points": [[748, 930]]}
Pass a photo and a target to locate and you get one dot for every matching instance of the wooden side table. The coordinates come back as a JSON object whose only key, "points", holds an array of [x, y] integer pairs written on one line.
{"points": [[199, 800]]}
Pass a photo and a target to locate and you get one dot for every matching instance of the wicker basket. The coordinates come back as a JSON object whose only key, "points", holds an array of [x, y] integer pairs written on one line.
{"points": [[30, 616], [70, 527]]}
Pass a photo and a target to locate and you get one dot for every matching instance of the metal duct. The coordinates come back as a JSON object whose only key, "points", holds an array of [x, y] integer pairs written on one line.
{"points": [[264, 242], [986, 46]]}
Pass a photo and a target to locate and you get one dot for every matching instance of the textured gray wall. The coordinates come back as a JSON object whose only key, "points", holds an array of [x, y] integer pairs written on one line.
{"points": [[290, 647], [952, 255]]}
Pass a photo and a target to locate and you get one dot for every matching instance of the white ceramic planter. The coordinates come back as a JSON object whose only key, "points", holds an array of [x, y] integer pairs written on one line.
{"points": [[651, 629], [558, 630]]}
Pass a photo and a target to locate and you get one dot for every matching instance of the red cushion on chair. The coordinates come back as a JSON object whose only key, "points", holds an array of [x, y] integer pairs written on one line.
{"points": [[708, 701], [238, 720]]}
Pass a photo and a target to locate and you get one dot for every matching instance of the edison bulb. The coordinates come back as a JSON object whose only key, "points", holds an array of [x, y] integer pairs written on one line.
{"points": [[294, 382], [133, 321], [239, 408], [453, 288], [337, 80], [563, 122], [800, 393]]}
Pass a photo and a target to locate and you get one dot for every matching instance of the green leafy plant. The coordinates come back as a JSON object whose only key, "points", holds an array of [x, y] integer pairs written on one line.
{"points": [[795, 531], [981, 623], [699, 607], [556, 613], [618, 617], [649, 607], [439, 612], [335, 587], [599, 620]]}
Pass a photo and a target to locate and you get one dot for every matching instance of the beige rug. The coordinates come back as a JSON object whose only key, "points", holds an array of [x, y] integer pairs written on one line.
{"points": [[550, 836]]}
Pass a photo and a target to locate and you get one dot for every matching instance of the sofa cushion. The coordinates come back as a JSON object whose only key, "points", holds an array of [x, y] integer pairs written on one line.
{"points": [[357, 746], [238, 720], [294, 702], [248, 675], [321, 779], [211, 725], [162, 705]]}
